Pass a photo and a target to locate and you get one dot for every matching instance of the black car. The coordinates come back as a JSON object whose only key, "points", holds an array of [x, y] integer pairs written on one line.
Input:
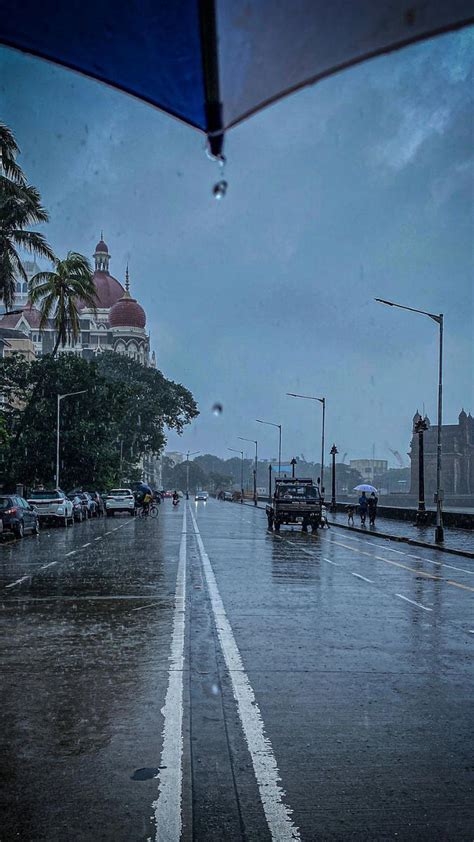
{"points": [[18, 516]]}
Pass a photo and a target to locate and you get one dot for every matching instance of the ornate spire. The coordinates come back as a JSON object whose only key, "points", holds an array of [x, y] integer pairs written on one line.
{"points": [[127, 280]]}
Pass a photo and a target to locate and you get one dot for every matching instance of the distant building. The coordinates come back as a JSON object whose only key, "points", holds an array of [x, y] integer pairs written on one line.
{"points": [[369, 468], [15, 342], [457, 456], [175, 456], [118, 325]]}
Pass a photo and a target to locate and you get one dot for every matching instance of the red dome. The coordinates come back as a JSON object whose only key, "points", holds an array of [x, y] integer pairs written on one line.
{"points": [[101, 246], [109, 290], [127, 313]]}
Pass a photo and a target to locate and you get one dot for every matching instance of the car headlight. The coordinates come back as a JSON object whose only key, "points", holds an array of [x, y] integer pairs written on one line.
{"points": [[60, 510]]}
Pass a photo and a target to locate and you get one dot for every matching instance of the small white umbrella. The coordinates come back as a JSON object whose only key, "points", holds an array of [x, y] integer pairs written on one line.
{"points": [[364, 487]]}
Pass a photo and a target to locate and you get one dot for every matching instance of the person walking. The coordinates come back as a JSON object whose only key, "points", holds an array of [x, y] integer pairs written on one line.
{"points": [[363, 508], [372, 507]]}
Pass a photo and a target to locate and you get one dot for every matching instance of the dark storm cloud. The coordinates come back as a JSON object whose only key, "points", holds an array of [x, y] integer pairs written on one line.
{"points": [[360, 186]]}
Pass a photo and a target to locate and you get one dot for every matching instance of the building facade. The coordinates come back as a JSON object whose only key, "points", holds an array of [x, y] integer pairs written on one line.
{"points": [[369, 468], [457, 459], [119, 323]]}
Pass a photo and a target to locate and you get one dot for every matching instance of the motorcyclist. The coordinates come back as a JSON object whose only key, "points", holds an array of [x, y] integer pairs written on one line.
{"points": [[175, 498]]}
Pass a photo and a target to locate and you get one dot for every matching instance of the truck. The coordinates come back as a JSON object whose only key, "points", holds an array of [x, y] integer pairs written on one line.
{"points": [[295, 501]]}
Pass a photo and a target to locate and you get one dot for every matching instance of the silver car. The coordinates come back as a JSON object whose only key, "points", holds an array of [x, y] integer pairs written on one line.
{"points": [[52, 504], [120, 500]]}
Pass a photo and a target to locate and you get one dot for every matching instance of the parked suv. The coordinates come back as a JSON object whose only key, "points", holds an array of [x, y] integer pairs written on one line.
{"points": [[52, 504], [120, 500], [17, 515]]}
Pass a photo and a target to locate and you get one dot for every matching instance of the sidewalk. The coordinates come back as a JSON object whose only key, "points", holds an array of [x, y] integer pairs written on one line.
{"points": [[461, 540]]}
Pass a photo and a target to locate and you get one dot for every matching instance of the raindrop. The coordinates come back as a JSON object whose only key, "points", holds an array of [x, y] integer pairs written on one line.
{"points": [[220, 189], [217, 409]]}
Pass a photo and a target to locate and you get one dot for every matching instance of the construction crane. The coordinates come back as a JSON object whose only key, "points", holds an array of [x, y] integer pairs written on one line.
{"points": [[397, 455]]}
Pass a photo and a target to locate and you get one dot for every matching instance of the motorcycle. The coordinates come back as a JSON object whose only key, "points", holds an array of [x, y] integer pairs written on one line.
{"points": [[175, 501]]}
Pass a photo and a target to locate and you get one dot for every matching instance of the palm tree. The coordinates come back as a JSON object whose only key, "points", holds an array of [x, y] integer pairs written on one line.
{"points": [[59, 294], [20, 207]]}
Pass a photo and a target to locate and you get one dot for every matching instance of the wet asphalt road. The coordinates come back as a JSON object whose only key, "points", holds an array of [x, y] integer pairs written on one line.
{"points": [[207, 679]]}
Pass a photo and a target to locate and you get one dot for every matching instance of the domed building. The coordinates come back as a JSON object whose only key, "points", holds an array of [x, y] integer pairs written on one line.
{"points": [[119, 323]]}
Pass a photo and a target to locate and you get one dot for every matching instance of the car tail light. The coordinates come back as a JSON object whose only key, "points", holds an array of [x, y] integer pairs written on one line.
{"points": [[12, 511], [128, 497]]}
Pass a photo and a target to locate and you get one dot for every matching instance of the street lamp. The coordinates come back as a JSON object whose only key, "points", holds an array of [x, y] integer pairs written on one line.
{"points": [[333, 452], [322, 401], [439, 319], [188, 454], [241, 471], [255, 501], [59, 399], [271, 424], [420, 427]]}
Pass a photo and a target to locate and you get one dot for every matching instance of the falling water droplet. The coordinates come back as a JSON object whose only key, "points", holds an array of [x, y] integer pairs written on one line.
{"points": [[217, 409], [220, 189]]}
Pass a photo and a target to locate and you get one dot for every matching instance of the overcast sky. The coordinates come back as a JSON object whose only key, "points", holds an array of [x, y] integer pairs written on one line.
{"points": [[360, 186]]}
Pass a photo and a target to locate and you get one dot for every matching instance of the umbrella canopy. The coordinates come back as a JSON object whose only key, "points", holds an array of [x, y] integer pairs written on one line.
{"points": [[212, 63], [365, 487]]}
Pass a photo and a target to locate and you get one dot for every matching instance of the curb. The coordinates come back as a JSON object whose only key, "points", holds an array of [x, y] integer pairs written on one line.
{"points": [[400, 538]]}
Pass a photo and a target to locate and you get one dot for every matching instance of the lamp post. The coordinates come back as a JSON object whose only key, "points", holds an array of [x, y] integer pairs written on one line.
{"points": [[439, 319], [420, 427], [241, 471], [255, 442], [293, 466], [322, 401], [272, 424], [58, 410], [333, 452], [188, 454]]}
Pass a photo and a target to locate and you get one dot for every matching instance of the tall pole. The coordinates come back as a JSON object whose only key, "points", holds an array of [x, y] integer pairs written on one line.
{"points": [[270, 481], [279, 451], [333, 493], [57, 440], [323, 401], [439, 319], [242, 478], [255, 442], [439, 533], [420, 428], [188, 454]]}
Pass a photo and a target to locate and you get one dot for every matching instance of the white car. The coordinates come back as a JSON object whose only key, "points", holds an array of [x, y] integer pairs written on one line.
{"points": [[201, 495], [120, 500], [52, 504]]}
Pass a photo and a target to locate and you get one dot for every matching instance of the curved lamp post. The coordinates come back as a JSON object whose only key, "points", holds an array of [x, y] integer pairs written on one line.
{"points": [[255, 442], [322, 401], [58, 410], [241, 471], [333, 452], [188, 454], [272, 424], [439, 319]]}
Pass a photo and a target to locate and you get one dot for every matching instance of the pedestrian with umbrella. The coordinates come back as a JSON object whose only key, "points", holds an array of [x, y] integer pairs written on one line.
{"points": [[363, 502]]}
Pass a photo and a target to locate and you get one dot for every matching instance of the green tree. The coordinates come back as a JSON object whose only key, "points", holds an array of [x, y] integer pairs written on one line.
{"points": [[20, 208], [59, 294]]}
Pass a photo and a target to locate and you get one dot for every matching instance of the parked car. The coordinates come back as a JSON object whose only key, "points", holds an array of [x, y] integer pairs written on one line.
{"points": [[90, 504], [98, 502], [120, 500], [52, 504], [79, 509], [17, 516]]}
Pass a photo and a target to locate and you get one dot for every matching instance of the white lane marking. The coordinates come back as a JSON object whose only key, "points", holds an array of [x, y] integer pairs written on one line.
{"points": [[142, 607], [471, 631], [86, 545], [49, 565], [167, 807], [413, 602], [109, 532], [99, 538], [71, 553], [278, 814], [358, 575], [328, 560], [18, 582], [442, 564]]}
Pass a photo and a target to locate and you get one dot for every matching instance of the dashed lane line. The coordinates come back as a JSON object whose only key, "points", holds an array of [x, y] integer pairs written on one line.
{"points": [[73, 552], [18, 582], [358, 576], [277, 813], [441, 564], [418, 604], [86, 545], [51, 563]]}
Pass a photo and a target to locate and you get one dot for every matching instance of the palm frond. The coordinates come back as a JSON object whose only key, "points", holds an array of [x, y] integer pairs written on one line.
{"points": [[34, 243]]}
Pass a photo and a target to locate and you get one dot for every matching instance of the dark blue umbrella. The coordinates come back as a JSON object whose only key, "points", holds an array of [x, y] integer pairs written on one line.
{"points": [[212, 63]]}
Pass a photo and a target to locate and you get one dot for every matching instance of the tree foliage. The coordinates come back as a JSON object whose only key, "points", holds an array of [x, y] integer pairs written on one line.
{"points": [[20, 208], [126, 408], [60, 293]]}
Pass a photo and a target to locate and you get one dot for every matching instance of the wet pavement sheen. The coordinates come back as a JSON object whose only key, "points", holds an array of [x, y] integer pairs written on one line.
{"points": [[359, 655]]}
